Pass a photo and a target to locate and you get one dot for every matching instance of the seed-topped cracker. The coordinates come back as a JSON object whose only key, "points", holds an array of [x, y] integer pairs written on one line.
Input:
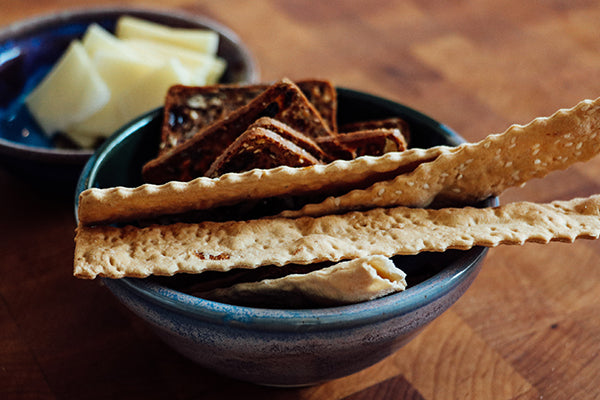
{"points": [[260, 148], [212, 246], [192, 158], [475, 171], [190, 109]]}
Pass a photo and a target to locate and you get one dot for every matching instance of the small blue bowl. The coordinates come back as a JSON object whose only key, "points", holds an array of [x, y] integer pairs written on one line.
{"points": [[280, 347], [29, 49]]}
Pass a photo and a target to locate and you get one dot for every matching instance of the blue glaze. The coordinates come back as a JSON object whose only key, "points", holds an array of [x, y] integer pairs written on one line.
{"points": [[284, 347]]}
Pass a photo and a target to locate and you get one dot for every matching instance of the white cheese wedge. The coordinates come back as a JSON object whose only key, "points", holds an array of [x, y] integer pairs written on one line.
{"points": [[201, 40], [71, 92], [204, 68], [97, 39], [119, 72], [149, 92]]}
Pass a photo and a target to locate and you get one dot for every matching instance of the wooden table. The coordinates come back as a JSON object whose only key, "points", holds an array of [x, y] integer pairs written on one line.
{"points": [[528, 328]]}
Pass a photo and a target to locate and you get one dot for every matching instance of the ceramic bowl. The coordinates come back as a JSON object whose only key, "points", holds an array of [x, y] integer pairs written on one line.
{"points": [[28, 49], [277, 346]]}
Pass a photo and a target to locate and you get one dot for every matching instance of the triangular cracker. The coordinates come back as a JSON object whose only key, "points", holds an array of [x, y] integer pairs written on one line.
{"points": [[192, 158]]}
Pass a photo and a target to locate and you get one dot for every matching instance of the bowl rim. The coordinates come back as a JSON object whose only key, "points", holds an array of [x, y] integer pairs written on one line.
{"points": [[23, 27], [327, 318]]}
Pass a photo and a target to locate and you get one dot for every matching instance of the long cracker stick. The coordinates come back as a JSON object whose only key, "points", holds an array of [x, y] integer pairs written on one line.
{"points": [[126, 204], [193, 248], [479, 170]]}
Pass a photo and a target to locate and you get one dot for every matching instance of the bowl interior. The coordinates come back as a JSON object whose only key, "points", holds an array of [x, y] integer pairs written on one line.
{"points": [[118, 163], [30, 48]]}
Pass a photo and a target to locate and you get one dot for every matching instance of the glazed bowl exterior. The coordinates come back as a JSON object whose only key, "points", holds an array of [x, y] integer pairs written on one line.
{"points": [[277, 346], [29, 49]]}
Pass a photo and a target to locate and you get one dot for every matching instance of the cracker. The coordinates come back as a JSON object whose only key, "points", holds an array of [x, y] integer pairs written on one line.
{"points": [[146, 201], [193, 248], [476, 171], [386, 123], [260, 148], [347, 282]]}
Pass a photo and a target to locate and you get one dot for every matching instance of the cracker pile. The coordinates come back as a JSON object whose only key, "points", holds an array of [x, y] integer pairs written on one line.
{"points": [[380, 205], [199, 141]]}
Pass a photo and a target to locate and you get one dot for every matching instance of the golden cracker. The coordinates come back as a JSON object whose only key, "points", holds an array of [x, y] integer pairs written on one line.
{"points": [[347, 282], [146, 201], [194, 248], [476, 171]]}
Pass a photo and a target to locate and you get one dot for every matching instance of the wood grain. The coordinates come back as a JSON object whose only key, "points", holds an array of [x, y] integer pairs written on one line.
{"points": [[528, 328]]}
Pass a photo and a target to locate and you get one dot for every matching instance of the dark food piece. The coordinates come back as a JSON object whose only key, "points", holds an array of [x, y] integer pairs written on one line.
{"points": [[287, 132], [260, 148], [189, 109], [373, 142], [283, 101], [323, 96], [388, 123]]}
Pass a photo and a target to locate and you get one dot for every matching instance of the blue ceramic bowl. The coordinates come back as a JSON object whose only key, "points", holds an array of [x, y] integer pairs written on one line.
{"points": [[277, 346], [28, 50]]}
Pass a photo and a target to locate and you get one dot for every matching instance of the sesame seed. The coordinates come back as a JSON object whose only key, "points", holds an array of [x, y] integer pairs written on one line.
{"points": [[508, 164], [336, 201], [569, 144], [537, 161], [380, 192], [456, 190], [579, 145], [426, 186], [410, 183]]}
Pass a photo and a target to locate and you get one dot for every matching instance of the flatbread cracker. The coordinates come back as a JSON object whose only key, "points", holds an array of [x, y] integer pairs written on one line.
{"points": [[127, 204], [476, 171], [459, 175], [347, 282], [193, 248]]}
